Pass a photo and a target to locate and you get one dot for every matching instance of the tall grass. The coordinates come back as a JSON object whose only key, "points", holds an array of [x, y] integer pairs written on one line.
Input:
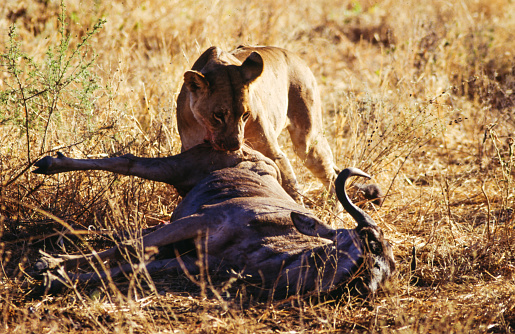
{"points": [[419, 94]]}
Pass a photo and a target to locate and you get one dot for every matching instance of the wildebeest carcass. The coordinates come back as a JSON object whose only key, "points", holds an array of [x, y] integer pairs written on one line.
{"points": [[238, 216]]}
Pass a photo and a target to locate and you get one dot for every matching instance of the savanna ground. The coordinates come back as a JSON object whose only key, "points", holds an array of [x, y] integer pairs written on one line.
{"points": [[420, 94]]}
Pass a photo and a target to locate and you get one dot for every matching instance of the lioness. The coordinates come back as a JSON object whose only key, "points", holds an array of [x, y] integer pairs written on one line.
{"points": [[251, 94]]}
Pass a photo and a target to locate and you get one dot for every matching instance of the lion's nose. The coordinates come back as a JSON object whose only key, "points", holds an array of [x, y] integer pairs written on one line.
{"points": [[233, 148]]}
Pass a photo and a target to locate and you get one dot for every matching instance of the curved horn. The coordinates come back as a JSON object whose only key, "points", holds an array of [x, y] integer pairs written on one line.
{"points": [[360, 216]]}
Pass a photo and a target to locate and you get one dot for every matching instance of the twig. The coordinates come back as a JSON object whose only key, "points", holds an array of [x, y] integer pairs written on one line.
{"points": [[488, 208]]}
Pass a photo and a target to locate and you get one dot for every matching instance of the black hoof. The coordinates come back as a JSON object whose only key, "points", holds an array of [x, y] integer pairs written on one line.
{"points": [[41, 265]]}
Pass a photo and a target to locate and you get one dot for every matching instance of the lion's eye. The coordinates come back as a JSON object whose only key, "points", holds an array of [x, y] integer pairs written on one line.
{"points": [[219, 116], [245, 116]]}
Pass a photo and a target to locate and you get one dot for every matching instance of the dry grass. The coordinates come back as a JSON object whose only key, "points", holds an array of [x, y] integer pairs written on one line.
{"points": [[419, 94]]}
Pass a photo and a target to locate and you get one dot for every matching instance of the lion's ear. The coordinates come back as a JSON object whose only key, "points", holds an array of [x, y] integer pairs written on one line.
{"points": [[195, 81], [252, 67]]}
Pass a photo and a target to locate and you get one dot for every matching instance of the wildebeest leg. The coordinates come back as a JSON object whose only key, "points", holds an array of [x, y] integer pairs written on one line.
{"points": [[52, 283], [183, 170], [190, 227]]}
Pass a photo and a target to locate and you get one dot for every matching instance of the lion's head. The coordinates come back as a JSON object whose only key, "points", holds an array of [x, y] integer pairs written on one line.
{"points": [[219, 96]]}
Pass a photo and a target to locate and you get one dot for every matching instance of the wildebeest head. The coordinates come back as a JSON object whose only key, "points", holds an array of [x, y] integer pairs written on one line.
{"points": [[364, 246]]}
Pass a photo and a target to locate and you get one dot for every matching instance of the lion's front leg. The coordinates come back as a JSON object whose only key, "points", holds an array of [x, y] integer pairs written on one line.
{"points": [[288, 176], [289, 180]]}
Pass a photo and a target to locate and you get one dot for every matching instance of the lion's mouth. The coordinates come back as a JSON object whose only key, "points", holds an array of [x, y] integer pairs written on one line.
{"points": [[225, 145]]}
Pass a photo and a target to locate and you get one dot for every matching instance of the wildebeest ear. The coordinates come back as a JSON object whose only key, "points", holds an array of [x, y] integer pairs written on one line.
{"points": [[312, 226], [195, 81], [252, 67]]}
